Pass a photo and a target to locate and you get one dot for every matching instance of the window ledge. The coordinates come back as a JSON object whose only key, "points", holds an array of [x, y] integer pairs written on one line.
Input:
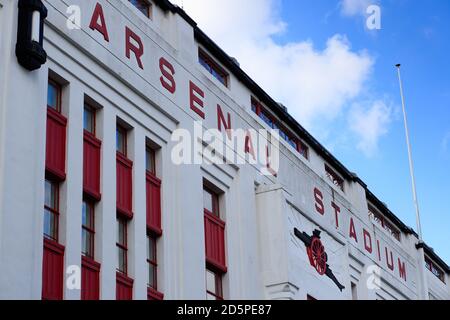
{"points": [[124, 280], [153, 294], [90, 263]]}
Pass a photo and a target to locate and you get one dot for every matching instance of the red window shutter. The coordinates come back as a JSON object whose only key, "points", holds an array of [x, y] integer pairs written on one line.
{"points": [[152, 294], [124, 287], [215, 242], [91, 166], [154, 204], [90, 279], [124, 186], [55, 162], [52, 271]]}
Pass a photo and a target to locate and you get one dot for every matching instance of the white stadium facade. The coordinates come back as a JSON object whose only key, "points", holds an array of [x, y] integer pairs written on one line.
{"points": [[94, 206]]}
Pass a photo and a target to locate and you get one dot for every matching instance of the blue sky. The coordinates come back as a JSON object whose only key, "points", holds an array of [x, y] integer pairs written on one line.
{"points": [[416, 34], [338, 79]]}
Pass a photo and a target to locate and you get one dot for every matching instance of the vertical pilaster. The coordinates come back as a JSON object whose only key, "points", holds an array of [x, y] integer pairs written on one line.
{"points": [[137, 228], [191, 246], [169, 275], [106, 209], [22, 136], [242, 245], [72, 189]]}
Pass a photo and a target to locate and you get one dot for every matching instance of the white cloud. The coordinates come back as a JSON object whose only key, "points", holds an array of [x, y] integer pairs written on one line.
{"points": [[315, 84], [355, 7], [369, 123]]}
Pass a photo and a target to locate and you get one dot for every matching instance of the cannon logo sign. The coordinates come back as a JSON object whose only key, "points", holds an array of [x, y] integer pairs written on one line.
{"points": [[317, 255]]}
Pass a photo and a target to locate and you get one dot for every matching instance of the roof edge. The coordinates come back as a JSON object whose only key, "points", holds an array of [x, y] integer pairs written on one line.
{"points": [[430, 252]]}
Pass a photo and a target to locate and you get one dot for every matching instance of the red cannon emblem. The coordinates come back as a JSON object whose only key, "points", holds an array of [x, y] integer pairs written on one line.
{"points": [[317, 255]]}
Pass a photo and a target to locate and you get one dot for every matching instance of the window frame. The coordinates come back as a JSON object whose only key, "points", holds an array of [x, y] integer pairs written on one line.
{"points": [[335, 178], [89, 229], [433, 267], [93, 112], [152, 153], [124, 132], [214, 202], [58, 88], [303, 149], [380, 219], [53, 211], [218, 284], [263, 114], [149, 7], [153, 239], [206, 61], [122, 246]]}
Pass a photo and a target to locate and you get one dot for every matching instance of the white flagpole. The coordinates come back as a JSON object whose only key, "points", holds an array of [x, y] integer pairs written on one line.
{"points": [[411, 165], [413, 183]]}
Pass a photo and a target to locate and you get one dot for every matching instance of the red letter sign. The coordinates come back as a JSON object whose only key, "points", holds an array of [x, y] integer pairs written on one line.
{"points": [[389, 264], [137, 50], [221, 121], [337, 210], [367, 245], [167, 72], [194, 99], [352, 230], [319, 201], [98, 13], [249, 145], [402, 269]]}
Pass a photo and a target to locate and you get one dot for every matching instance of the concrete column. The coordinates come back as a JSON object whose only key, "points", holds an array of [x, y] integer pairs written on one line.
{"points": [[106, 209], [23, 96], [137, 227], [423, 281], [169, 278], [272, 228], [242, 244], [183, 233], [72, 189]]}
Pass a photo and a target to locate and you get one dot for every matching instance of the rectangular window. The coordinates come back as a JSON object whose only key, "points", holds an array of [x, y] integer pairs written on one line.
{"points": [[213, 285], [212, 67], [431, 266], [150, 163], [54, 96], [89, 119], [143, 6], [284, 133], [389, 227], [121, 140], [384, 223], [88, 229], [256, 106], [214, 245], [122, 245], [303, 149], [51, 210], [334, 177], [152, 262], [211, 202], [267, 119]]}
